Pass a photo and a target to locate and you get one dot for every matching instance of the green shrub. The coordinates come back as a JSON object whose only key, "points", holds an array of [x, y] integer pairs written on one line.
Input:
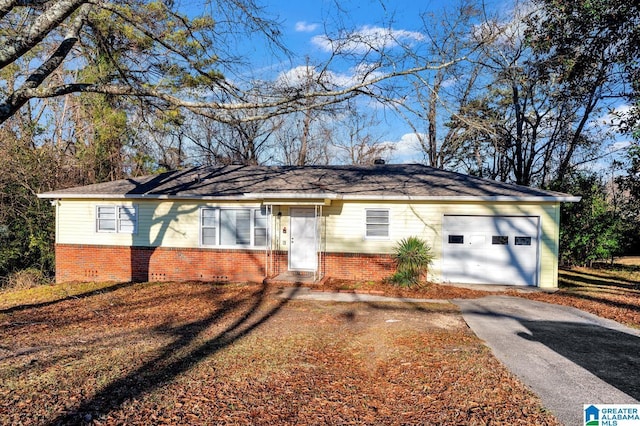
{"points": [[413, 257]]}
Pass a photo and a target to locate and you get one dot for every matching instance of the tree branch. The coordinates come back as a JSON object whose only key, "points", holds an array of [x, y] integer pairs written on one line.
{"points": [[17, 99], [43, 25], [214, 110]]}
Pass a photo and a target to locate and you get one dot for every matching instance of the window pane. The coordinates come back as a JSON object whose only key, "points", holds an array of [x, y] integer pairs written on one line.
{"points": [[106, 218], [106, 225], [377, 223], [209, 236], [377, 216], [260, 237], [377, 219], [209, 217], [456, 239], [500, 240], [107, 212], [227, 227], [127, 219], [235, 227], [260, 227], [523, 241], [377, 230], [260, 219], [243, 227]]}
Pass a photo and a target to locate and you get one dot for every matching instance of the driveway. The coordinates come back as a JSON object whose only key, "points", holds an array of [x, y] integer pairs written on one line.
{"points": [[566, 356]]}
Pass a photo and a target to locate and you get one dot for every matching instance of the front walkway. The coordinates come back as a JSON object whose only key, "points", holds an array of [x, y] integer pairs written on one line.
{"points": [[305, 293]]}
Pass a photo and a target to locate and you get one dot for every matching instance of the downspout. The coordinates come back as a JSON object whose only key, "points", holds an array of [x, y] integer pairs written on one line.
{"points": [[321, 241], [268, 253]]}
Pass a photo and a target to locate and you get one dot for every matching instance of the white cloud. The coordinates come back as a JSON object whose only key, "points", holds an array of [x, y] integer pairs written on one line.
{"points": [[407, 149], [619, 146], [305, 27], [365, 39], [301, 75], [612, 121], [296, 76], [615, 117]]}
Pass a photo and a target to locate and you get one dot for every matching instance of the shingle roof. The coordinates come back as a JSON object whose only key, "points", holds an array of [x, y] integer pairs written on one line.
{"points": [[389, 181]]}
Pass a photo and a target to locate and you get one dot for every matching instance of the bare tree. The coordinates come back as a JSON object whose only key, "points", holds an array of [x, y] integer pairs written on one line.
{"points": [[525, 126], [355, 140]]}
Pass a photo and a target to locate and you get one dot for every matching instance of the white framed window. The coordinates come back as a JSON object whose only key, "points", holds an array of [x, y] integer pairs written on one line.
{"points": [[209, 219], [117, 219], [106, 219], [233, 227], [260, 227], [377, 223]]}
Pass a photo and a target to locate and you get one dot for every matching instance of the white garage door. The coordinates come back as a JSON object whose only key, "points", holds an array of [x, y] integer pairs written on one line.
{"points": [[490, 249]]}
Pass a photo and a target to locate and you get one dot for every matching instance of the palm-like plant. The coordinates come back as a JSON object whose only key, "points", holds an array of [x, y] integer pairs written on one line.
{"points": [[413, 257]]}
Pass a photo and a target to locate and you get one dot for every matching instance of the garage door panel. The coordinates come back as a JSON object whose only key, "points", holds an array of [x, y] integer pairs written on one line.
{"points": [[491, 249]]}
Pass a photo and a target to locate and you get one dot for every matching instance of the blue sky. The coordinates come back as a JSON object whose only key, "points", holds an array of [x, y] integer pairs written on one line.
{"points": [[304, 22]]}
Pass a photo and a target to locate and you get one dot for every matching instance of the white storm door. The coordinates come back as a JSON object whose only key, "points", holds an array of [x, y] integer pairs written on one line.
{"points": [[302, 240]]}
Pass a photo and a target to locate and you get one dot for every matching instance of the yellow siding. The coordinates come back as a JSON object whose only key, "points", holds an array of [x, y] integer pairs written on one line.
{"points": [[176, 224], [165, 223], [345, 228]]}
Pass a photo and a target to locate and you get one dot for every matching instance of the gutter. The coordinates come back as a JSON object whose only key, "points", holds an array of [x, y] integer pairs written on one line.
{"points": [[272, 196]]}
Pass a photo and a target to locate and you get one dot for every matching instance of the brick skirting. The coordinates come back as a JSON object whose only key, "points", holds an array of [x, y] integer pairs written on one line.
{"points": [[139, 264], [358, 266]]}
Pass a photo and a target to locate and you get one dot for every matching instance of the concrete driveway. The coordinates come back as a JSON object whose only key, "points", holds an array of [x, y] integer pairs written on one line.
{"points": [[566, 356]]}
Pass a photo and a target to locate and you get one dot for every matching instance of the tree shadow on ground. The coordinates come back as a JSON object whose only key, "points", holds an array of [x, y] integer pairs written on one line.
{"points": [[576, 279], [611, 355], [189, 348], [90, 293], [604, 301]]}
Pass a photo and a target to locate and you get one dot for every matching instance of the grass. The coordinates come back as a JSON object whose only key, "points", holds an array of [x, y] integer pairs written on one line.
{"points": [[50, 293], [194, 353]]}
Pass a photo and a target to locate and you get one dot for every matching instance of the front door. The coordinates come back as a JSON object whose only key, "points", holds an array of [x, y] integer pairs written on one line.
{"points": [[302, 240]]}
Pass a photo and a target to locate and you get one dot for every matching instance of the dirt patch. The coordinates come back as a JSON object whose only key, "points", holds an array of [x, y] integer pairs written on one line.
{"points": [[203, 354]]}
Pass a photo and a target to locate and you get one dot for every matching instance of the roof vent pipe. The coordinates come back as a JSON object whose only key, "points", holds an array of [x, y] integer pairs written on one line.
{"points": [[378, 161]]}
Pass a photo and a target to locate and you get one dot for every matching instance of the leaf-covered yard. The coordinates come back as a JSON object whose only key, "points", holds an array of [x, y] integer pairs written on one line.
{"points": [[611, 292], [193, 353]]}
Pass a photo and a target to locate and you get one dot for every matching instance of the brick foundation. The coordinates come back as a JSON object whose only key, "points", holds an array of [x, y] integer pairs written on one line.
{"points": [[139, 264], [358, 266], [123, 264]]}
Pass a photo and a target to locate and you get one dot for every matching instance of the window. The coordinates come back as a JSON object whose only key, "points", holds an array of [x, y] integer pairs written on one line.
{"points": [[122, 219], [106, 219], [500, 240], [233, 227], [377, 223], [127, 219], [260, 227], [523, 241], [209, 225], [456, 239]]}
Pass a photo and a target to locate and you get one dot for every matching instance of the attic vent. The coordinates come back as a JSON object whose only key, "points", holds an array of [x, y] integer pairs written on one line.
{"points": [[379, 161]]}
